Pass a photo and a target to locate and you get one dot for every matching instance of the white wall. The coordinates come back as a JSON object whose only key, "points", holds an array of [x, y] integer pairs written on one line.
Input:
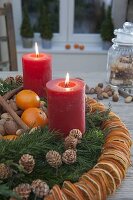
{"points": [[77, 63]]}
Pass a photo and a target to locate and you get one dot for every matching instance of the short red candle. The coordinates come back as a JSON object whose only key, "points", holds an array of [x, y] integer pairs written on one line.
{"points": [[66, 105], [37, 71]]}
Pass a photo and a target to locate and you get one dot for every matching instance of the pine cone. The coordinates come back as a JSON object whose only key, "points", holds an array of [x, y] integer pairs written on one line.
{"points": [[19, 80], [28, 162], [69, 156], [23, 190], [9, 80], [5, 171], [40, 188], [70, 142], [53, 158], [76, 133]]}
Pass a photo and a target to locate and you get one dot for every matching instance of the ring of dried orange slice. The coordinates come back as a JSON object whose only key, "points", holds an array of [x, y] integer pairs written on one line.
{"points": [[106, 176]]}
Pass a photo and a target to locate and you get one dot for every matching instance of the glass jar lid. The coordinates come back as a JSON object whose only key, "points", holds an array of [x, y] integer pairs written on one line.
{"points": [[124, 36]]}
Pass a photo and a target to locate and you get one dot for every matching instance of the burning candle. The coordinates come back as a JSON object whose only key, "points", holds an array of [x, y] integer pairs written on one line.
{"points": [[37, 71], [66, 105]]}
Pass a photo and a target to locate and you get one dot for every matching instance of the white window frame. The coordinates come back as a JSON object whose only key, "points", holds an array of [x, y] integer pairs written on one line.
{"points": [[66, 24], [73, 37]]}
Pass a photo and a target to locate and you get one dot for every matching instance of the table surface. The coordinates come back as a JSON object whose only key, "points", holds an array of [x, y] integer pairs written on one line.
{"points": [[125, 112]]}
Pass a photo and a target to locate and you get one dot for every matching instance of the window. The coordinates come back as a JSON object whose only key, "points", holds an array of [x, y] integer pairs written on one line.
{"points": [[72, 20], [35, 7]]}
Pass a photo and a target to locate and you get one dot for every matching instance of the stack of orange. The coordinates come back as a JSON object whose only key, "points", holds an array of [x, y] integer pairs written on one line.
{"points": [[29, 102], [108, 173]]}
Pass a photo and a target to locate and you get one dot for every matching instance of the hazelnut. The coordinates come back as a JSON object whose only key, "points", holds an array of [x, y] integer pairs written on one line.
{"points": [[2, 121], [100, 85], [6, 116], [110, 93], [10, 127], [115, 97], [92, 91], [128, 99], [98, 90], [107, 88], [13, 105], [87, 89], [100, 96], [105, 95]]}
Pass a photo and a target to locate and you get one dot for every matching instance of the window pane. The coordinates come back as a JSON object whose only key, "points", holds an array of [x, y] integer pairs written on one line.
{"points": [[88, 16], [35, 8]]}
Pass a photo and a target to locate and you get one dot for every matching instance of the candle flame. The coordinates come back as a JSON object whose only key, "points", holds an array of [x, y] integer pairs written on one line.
{"points": [[36, 49], [67, 80]]}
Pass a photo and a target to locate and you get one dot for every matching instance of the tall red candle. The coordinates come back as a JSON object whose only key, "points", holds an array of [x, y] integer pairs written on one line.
{"points": [[66, 105], [37, 71]]}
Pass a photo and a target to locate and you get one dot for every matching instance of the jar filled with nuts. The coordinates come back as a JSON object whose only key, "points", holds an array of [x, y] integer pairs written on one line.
{"points": [[120, 57]]}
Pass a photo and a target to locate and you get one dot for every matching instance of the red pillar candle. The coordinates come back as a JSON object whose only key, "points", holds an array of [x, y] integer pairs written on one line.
{"points": [[37, 71], [66, 105]]}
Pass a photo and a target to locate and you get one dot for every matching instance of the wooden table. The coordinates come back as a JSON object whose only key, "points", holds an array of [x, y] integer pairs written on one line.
{"points": [[124, 110]]}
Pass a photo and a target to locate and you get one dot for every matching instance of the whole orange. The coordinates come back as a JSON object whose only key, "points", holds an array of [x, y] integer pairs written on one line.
{"points": [[27, 99], [34, 117]]}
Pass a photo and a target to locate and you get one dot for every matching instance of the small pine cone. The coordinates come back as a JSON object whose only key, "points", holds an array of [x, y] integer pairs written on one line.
{"points": [[19, 80], [70, 142], [69, 156], [5, 171], [53, 158], [23, 190], [40, 188], [28, 162], [76, 133], [9, 80]]}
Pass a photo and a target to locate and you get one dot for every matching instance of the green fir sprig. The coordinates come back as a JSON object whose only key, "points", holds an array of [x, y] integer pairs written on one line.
{"points": [[6, 87]]}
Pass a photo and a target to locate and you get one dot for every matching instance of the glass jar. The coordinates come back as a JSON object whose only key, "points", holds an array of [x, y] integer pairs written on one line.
{"points": [[120, 57]]}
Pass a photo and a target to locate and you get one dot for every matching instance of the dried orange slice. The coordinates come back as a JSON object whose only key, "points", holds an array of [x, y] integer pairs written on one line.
{"points": [[103, 178], [101, 181], [118, 138], [111, 181], [49, 197], [118, 128], [69, 195], [57, 193], [111, 169], [89, 185], [118, 146], [114, 115], [64, 196], [72, 188], [95, 183], [86, 193], [90, 100], [110, 123], [121, 168], [120, 134], [115, 153]]}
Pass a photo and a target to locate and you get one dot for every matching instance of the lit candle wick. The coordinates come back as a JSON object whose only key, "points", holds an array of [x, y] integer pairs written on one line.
{"points": [[67, 80], [36, 50]]}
